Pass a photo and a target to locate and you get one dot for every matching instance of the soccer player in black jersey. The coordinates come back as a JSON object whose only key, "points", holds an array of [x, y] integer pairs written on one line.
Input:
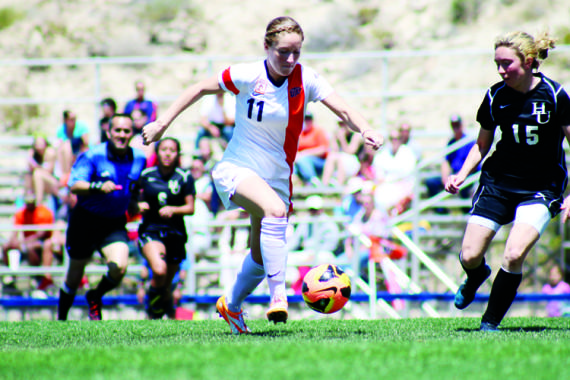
{"points": [[167, 196], [525, 177]]}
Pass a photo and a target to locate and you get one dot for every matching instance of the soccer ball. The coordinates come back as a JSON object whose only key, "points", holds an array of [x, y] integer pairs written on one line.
{"points": [[326, 288]]}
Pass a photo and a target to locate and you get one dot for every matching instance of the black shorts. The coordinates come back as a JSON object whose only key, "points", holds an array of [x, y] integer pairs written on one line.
{"points": [[500, 205], [87, 233], [175, 244]]}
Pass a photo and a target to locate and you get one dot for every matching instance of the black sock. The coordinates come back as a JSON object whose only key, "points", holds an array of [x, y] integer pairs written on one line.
{"points": [[64, 304], [106, 284], [475, 273], [476, 276], [502, 296]]}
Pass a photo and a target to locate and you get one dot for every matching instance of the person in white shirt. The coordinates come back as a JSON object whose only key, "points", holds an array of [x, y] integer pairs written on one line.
{"points": [[394, 168], [255, 171]]}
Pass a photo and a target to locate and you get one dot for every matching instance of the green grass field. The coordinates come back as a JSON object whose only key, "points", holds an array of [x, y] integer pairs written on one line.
{"points": [[526, 348]]}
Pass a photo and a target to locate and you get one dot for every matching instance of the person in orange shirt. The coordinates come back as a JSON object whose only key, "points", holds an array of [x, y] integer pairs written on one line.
{"points": [[311, 152], [32, 244]]}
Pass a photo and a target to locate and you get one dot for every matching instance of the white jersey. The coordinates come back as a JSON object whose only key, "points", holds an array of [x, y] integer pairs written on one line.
{"points": [[269, 119]]}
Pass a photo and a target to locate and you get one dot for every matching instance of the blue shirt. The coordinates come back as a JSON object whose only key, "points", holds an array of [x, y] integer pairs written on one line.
{"points": [[458, 157], [100, 164]]}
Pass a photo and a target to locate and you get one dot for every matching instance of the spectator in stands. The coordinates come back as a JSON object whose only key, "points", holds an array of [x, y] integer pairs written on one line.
{"points": [[317, 240], [342, 157], [105, 181], [140, 102], [311, 152], [217, 118], [406, 136], [199, 233], [30, 243], [41, 177], [369, 222], [366, 170], [108, 109], [394, 168], [452, 162], [168, 195], [255, 171], [139, 121], [556, 285], [72, 139], [523, 180]]}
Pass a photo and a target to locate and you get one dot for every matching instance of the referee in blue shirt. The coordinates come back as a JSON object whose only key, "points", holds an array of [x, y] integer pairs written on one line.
{"points": [[105, 179]]}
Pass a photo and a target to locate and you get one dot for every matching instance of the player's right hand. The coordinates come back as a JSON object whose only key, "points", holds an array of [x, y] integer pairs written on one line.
{"points": [[151, 132], [453, 183]]}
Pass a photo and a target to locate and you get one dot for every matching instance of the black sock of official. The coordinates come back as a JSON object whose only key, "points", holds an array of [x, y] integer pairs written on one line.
{"points": [[502, 296], [64, 303], [475, 275], [106, 284]]}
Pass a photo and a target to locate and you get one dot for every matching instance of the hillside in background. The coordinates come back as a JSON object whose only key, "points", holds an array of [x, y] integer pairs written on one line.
{"points": [[40, 29]]}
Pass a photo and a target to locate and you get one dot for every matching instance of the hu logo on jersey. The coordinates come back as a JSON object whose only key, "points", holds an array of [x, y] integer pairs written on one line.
{"points": [[295, 91], [260, 87], [540, 110], [174, 186]]}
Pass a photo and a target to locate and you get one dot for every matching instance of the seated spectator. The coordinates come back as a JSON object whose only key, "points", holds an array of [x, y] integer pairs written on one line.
{"points": [[406, 136], [108, 110], [217, 118], [72, 139], [317, 239], [394, 166], [452, 162], [139, 102], [556, 285], [31, 243], [366, 158], [311, 152], [207, 153], [41, 177], [368, 222], [198, 232], [342, 157], [139, 120]]}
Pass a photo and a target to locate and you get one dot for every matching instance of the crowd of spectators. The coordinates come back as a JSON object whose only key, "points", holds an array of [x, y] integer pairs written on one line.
{"points": [[372, 186]]}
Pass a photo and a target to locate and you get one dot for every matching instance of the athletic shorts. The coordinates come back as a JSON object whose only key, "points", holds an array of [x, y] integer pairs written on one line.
{"points": [[175, 244], [227, 176], [87, 233], [500, 206]]}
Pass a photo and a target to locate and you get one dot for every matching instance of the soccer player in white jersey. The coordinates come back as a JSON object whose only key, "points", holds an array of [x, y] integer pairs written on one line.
{"points": [[255, 171], [524, 178]]}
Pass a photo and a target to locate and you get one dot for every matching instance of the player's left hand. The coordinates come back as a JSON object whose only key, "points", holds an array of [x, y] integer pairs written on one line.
{"points": [[166, 212], [373, 138], [565, 209]]}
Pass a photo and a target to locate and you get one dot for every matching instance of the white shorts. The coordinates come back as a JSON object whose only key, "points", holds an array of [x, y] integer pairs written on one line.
{"points": [[537, 215], [227, 176]]}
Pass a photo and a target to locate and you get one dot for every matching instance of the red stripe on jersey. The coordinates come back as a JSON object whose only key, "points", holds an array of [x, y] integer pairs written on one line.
{"points": [[227, 79], [296, 96]]}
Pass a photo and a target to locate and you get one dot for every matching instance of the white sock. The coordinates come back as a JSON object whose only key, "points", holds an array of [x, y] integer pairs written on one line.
{"points": [[250, 275], [274, 253]]}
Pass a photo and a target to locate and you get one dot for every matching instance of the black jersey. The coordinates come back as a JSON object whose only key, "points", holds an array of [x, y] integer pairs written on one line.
{"points": [[159, 191], [529, 155]]}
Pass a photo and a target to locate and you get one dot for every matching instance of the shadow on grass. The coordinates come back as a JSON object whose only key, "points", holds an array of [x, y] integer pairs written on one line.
{"points": [[518, 329]]}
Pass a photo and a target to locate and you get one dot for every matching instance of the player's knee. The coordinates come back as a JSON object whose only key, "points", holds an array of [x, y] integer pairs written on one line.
{"points": [[514, 257], [117, 270], [276, 210], [159, 269]]}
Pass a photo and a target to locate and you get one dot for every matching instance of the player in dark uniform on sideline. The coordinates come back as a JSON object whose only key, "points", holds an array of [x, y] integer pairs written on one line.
{"points": [[524, 179], [105, 181], [167, 195]]}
